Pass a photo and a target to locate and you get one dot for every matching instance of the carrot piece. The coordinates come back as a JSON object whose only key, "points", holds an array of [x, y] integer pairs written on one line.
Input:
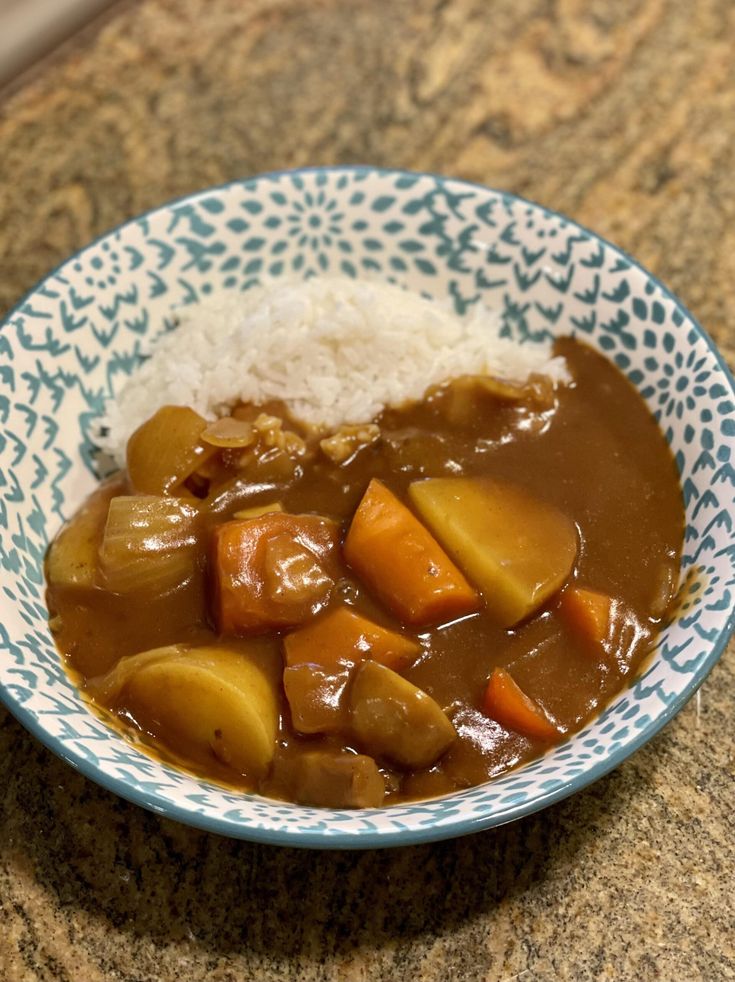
{"points": [[320, 658], [273, 571], [403, 564], [341, 636], [587, 612], [507, 703]]}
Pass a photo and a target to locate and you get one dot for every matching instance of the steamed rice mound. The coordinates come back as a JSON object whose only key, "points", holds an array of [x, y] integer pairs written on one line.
{"points": [[335, 350]]}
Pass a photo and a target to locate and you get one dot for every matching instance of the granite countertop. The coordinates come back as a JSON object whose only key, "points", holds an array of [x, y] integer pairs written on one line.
{"points": [[621, 114]]}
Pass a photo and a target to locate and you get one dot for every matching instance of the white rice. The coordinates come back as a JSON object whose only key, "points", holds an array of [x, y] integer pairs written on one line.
{"points": [[335, 350]]}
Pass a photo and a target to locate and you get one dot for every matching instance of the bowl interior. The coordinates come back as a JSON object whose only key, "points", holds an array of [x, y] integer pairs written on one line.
{"points": [[75, 338]]}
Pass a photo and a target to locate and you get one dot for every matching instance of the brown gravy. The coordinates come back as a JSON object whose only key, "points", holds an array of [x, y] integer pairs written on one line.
{"points": [[598, 456]]}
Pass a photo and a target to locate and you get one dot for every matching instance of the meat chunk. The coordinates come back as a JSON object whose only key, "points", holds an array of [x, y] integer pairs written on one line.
{"points": [[337, 780]]}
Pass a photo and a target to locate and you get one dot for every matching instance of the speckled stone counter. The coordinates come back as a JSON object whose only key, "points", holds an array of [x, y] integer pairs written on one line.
{"points": [[621, 114]]}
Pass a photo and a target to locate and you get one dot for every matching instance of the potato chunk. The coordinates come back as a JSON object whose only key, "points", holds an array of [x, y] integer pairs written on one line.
{"points": [[200, 701], [392, 718], [517, 549]]}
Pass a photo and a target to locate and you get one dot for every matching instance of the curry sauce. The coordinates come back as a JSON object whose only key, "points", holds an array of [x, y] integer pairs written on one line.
{"points": [[589, 451]]}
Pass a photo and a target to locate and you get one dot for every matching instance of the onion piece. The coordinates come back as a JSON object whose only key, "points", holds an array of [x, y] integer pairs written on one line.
{"points": [[505, 390], [348, 440], [257, 510], [166, 449], [229, 432], [72, 556], [149, 544]]}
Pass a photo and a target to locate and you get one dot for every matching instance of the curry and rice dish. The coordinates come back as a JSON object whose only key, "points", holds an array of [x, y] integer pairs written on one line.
{"points": [[379, 610]]}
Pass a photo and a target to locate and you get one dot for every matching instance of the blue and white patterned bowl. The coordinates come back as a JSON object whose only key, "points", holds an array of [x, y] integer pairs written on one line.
{"points": [[75, 338]]}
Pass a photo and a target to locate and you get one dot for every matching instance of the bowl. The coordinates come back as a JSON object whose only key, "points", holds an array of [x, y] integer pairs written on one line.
{"points": [[77, 336]]}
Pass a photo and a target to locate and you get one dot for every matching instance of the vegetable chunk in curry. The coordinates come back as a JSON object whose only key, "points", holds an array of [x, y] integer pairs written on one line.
{"points": [[387, 612]]}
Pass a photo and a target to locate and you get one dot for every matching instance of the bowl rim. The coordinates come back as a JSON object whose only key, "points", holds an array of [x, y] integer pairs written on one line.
{"points": [[394, 837]]}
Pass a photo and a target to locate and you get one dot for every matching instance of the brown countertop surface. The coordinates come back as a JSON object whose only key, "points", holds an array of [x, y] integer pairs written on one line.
{"points": [[621, 114]]}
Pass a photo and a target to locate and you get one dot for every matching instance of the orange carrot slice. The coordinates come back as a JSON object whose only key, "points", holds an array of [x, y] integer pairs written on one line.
{"points": [[507, 703], [403, 564], [273, 571], [587, 613], [341, 635]]}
